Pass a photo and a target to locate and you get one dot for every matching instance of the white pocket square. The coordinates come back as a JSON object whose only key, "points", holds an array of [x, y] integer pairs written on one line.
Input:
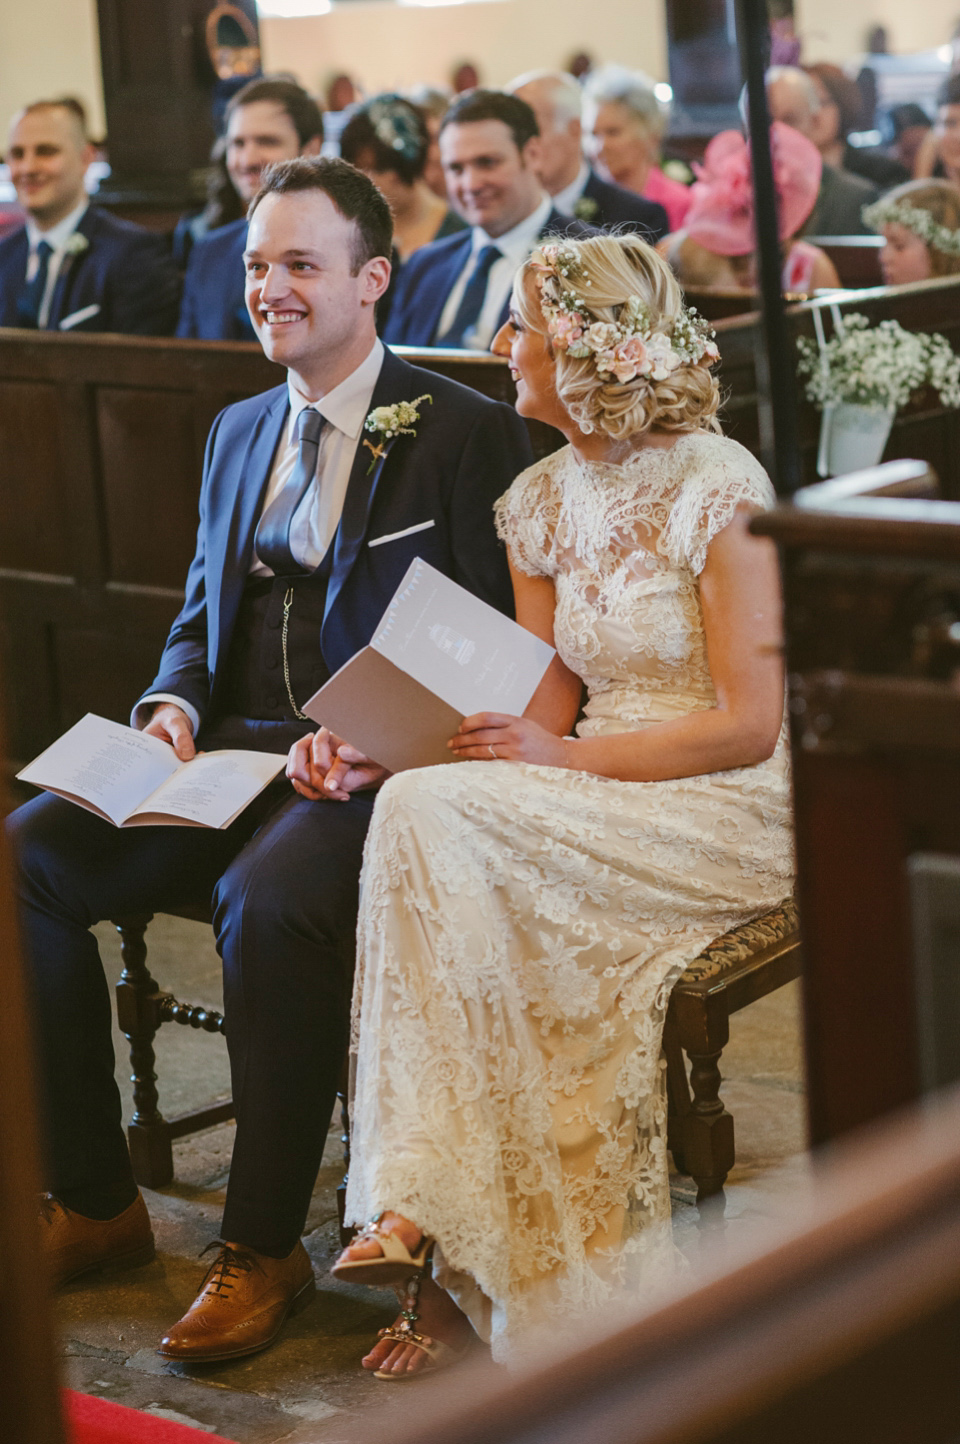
{"points": [[68, 322], [378, 541]]}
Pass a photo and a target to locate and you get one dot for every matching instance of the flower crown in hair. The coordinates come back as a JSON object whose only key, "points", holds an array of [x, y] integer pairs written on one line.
{"points": [[901, 213], [395, 125], [626, 348]]}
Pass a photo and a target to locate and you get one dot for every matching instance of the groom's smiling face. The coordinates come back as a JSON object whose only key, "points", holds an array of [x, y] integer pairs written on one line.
{"points": [[307, 303]]}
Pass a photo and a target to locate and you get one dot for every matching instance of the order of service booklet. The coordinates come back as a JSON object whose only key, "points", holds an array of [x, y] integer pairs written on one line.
{"points": [[438, 655], [133, 780]]}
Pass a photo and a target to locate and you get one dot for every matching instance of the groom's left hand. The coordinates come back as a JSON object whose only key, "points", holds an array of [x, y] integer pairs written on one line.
{"points": [[489, 735]]}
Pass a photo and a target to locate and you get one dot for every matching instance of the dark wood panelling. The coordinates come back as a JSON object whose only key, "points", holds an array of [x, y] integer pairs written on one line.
{"points": [[151, 482], [33, 473]]}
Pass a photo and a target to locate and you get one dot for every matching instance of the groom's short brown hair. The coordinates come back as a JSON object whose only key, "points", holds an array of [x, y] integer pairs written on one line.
{"points": [[354, 195]]}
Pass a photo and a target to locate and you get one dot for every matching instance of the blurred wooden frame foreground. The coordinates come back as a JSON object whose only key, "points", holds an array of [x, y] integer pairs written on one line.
{"points": [[842, 1326], [29, 1396]]}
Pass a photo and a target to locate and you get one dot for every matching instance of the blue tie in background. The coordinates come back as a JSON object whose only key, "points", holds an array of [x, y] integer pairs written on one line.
{"points": [[31, 297], [471, 302], [272, 541]]}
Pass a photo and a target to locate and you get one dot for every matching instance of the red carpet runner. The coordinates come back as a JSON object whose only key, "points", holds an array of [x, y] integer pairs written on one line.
{"points": [[97, 1421]]}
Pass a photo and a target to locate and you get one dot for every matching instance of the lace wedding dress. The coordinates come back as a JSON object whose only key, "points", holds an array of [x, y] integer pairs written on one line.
{"points": [[521, 926]]}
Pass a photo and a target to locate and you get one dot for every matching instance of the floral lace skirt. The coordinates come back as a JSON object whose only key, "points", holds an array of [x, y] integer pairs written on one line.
{"points": [[520, 930]]}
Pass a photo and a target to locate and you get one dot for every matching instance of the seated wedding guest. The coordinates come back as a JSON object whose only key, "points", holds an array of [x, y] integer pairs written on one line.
{"points": [[939, 153], [387, 139], [301, 544], [841, 105], [456, 292], [715, 248], [223, 206], [627, 123], [73, 266], [433, 104], [267, 121], [920, 224], [576, 189], [911, 127], [524, 917], [793, 98]]}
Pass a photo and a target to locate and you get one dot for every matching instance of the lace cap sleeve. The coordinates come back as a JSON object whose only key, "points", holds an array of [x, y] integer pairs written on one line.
{"points": [[526, 517], [719, 476]]}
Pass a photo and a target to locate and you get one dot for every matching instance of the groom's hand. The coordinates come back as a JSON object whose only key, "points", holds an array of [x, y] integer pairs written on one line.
{"points": [[171, 724], [324, 768]]}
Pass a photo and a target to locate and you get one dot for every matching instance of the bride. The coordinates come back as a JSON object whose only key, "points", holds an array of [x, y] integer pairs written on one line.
{"points": [[523, 919]]}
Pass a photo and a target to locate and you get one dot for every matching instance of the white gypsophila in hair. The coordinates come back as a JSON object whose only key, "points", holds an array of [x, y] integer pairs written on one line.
{"points": [[624, 349], [901, 213]]}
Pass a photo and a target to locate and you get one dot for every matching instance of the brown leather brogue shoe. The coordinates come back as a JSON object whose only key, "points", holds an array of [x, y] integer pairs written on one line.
{"points": [[75, 1245], [241, 1306]]}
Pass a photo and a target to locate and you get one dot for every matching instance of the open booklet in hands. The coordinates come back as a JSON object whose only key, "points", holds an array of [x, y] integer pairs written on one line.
{"points": [[438, 655], [133, 780]]}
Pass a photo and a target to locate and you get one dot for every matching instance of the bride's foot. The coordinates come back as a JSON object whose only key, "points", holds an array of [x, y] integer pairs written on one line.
{"points": [[387, 1250], [430, 1315]]}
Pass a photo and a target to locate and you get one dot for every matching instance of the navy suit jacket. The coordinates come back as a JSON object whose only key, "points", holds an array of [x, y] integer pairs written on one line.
{"points": [[429, 276], [213, 308], [620, 209], [124, 281], [444, 480]]}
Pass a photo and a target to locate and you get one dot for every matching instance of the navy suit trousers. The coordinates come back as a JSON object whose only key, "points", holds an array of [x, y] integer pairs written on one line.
{"points": [[284, 882]]}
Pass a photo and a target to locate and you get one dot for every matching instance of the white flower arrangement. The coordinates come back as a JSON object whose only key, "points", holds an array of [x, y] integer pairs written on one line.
{"points": [[76, 244], [623, 349], [387, 422], [878, 366]]}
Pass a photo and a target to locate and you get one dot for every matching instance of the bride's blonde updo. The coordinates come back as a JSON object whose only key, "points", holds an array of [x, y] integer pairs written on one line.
{"points": [[650, 367]]}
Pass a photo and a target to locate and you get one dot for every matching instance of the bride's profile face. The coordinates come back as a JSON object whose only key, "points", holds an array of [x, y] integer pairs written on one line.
{"points": [[532, 367]]}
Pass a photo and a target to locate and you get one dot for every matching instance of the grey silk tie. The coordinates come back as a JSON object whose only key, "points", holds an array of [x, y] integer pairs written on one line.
{"points": [[272, 541]]}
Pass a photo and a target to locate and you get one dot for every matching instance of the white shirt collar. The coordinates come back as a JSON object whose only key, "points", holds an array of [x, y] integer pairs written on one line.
{"points": [[566, 199], [58, 235], [347, 406], [516, 244]]}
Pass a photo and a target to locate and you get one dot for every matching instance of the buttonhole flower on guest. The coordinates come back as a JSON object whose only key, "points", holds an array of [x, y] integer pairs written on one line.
{"points": [[585, 208], [76, 244], [386, 422]]}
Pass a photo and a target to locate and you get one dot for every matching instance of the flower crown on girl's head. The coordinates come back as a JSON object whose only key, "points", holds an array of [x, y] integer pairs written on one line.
{"points": [[626, 348], [901, 213]]}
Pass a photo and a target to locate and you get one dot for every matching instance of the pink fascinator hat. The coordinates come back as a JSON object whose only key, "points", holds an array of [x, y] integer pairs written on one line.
{"points": [[720, 217]]}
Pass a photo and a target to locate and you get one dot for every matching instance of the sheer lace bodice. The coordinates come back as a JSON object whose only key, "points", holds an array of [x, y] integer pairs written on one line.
{"points": [[624, 546], [521, 926]]}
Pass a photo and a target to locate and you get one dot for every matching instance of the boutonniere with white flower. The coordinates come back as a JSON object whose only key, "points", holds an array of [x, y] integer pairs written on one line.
{"points": [[585, 208], [389, 422], [76, 244]]}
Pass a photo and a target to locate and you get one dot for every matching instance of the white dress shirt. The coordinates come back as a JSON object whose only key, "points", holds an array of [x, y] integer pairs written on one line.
{"points": [[566, 199], [515, 247], [57, 237], [317, 517]]}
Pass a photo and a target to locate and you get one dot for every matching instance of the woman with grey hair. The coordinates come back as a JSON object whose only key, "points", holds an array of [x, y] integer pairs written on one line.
{"points": [[627, 123]]}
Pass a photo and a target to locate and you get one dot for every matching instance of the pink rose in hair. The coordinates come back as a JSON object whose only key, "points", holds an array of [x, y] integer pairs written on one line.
{"points": [[629, 359], [566, 328]]}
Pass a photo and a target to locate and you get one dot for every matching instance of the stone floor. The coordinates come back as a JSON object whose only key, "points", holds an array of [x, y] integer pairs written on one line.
{"points": [[309, 1386]]}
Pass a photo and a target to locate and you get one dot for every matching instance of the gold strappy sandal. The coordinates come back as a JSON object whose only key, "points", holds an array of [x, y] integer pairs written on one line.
{"points": [[395, 1264], [440, 1355]]}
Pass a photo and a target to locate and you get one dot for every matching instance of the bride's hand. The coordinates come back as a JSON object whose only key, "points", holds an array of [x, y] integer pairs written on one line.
{"points": [[489, 735]]}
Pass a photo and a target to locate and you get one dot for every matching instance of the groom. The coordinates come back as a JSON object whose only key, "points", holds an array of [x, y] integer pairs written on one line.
{"points": [[308, 523]]}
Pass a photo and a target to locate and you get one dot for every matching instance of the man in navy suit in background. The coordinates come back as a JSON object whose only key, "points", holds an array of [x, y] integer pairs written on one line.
{"points": [[304, 537], [456, 292], [267, 121], [575, 188], [73, 266]]}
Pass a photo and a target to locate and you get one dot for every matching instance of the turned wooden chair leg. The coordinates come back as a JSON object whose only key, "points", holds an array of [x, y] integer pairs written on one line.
{"points": [[678, 1095], [138, 1013], [703, 1028]]}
